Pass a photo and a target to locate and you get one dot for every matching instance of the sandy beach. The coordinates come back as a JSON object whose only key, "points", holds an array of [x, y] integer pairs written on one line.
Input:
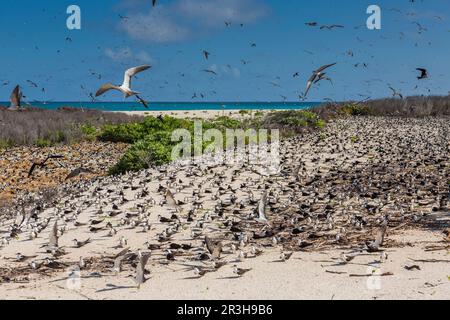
{"points": [[308, 216], [306, 276], [200, 114]]}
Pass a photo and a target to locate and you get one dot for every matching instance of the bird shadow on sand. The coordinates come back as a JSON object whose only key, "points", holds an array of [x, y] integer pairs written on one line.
{"points": [[191, 278], [228, 278], [112, 287], [277, 261]]}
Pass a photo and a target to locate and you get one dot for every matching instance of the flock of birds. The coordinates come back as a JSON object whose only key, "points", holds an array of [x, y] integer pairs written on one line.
{"points": [[332, 191], [125, 88], [317, 76]]}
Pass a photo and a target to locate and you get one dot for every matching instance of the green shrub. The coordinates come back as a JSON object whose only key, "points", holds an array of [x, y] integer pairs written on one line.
{"points": [[142, 155], [152, 143], [89, 131], [294, 119], [356, 110], [43, 143], [133, 132], [5, 144]]}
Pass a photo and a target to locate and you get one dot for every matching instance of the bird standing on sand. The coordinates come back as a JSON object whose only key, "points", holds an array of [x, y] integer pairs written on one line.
{"points": [[285, 256], [347, 258], [239, 271], [79, 244], [125, 88]]}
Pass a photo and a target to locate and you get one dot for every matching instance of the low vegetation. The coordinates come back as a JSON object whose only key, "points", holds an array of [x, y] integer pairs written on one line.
{"points": [[43, 128], [152, 143], [150, 137], [417, 106]]}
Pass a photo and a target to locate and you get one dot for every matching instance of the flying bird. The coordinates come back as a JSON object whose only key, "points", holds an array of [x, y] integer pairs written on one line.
{"points": [[140, 269], [330, 27], [43, 163], [125, 88], [53, 241], [77, 172], [16, 97], [316, 77], [143, 102], [262, 208], [210, 71], [374, 246], [395, 93], [423, 73], [214, 247]]}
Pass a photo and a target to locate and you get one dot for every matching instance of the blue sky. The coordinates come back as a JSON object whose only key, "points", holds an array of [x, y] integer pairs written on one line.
{"points": [[172, 36]]}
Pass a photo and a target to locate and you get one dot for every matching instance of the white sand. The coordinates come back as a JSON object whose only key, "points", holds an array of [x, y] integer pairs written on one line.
{"points": [[200, 114], [304, 276]]}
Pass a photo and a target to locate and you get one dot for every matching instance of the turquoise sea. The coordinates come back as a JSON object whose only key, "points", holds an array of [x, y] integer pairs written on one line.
{"points": [[175, 106]]}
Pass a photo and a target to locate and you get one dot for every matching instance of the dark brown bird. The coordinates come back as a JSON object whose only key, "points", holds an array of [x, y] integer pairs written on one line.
{"points": [[423, 73], [330, 27], [143, 102], [77, 172], [317, 74], [210, 71], [42, 163]]}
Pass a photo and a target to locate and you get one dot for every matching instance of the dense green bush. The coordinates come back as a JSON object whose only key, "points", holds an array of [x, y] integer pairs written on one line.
{"points": [[133, 132], [356, 110], [151, 138], [293, 120], [155, 149]]}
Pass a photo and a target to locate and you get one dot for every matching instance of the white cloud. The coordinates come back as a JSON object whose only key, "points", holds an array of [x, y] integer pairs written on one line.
{"points": [[183, 19], [127, 55], [156, 26]]}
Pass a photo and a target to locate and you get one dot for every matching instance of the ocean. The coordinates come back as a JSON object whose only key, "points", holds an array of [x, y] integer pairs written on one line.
{"points": [[176, 106]]}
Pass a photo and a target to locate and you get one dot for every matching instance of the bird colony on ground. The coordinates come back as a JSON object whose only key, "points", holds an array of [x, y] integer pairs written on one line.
{"points": [[346, 187]]}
